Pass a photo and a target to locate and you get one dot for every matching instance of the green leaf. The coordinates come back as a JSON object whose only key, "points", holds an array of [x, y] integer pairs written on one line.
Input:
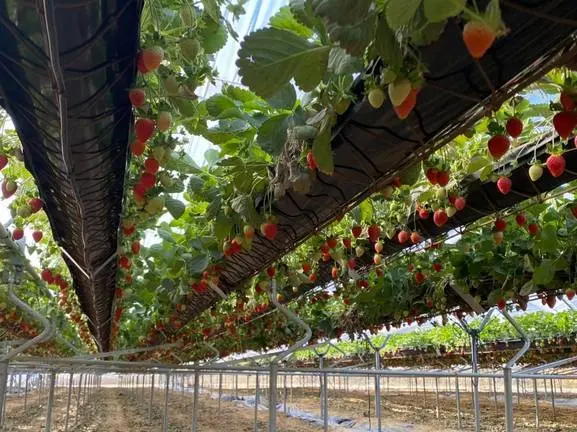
{"points": [[285, 98], [366, 211], [386, 45], [218, 104], [270, 58], [285, 20], [544, 273], [548, 241], [195, 184], [400, 12], [273, 134], [323, 152], [244, 206], [342, 63], [440, 10], [356, 37], [477, 163], [213, 37], [165, 235], [211, 156], [222, 227], [527, 288], [342, 11], [175, 207], [198, 264], [211, 8], [182, 163]]}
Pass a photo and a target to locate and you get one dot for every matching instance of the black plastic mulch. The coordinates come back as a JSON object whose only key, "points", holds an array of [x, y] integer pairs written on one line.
{"points": [[372, 146], [65, 68]]}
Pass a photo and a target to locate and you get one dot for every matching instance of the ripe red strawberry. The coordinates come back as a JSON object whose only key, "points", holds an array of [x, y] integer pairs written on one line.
{"points": [[143, 129], [347, 243], [443, 178], [17, 234], [269, 230], [460, 203], [306, 268], [416, 237], [437, 267], [440, 217], [124, 262], [3, 161], [533, 229], [335, 272], [498, 146], [325, 249], [403, 237], [137, 147], [567, 102], [139, 190], [504, 185], [313, 277], [564, 123], [332, 242], [137, 97], [135, 246], [424, 213], [151, 166], [271, 271], [570, 293], [352, 263], [514, 127], [46, 276], [501, 304], [551, 300], [140, 64], [574, 212], [432, 174], [311, 162], [152, 57], [396, 182], [374, 233], [556, 165], [520, 219], [500, 224], [478, 38], [37, 236], [147, 181], [356, 231], [419, 277], [36, 205], [405, 108]]}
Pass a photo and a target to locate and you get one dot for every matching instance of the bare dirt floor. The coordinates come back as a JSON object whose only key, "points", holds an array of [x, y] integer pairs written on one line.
{"points": [[114, 409]]}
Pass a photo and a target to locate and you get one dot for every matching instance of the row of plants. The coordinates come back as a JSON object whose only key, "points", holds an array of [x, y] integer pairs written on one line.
{"points": [[228, 202], [450, 338]]}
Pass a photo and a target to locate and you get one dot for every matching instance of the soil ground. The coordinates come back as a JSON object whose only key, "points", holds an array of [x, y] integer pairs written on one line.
{"points": [[116, 409]]}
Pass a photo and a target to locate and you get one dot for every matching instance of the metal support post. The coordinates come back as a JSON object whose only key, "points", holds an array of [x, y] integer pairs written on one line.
{"points": [[536, 394], [458, 394], [50, 402], [166, 389], [219, 389], [26, 392], [377, 350], [272, 397], [151, 399], [508, 372], [195, 399], [553, 399], [3, 387], [256, 404], [78, 396], [68, 402]]}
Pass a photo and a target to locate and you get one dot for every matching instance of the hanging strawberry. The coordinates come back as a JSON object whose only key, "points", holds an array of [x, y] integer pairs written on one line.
{"points": [[556, 165]]}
